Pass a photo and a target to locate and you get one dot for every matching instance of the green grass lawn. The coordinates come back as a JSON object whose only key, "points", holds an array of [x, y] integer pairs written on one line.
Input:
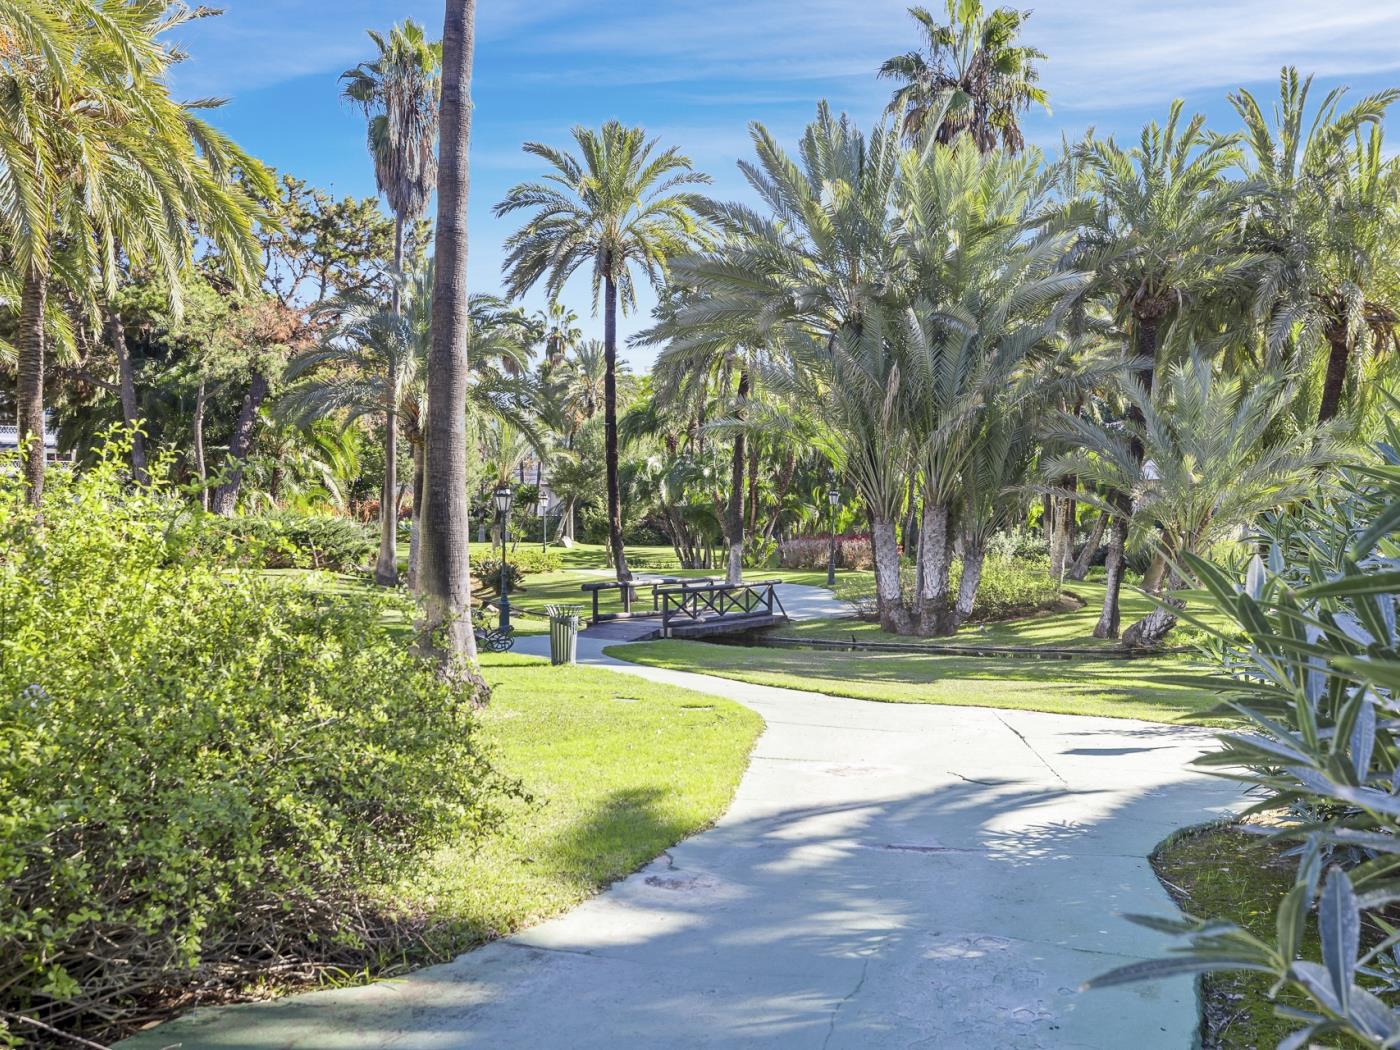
{"points": [[619, 769], [1159, 689], [1068, 629]]}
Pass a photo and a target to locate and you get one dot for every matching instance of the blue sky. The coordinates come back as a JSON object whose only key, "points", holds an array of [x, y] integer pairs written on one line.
{"points": [[696, 73]]}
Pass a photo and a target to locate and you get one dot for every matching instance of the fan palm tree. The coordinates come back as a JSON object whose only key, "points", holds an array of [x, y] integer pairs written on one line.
{"points": [[618, 204], [1200, 460], [97, 160], [399, 93], [446, 569], [1161, 213], [1323, 226], [971, 76]]}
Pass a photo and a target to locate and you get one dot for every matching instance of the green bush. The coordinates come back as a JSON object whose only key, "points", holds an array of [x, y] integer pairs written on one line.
{"points": [[204, 771], [285, 539]]}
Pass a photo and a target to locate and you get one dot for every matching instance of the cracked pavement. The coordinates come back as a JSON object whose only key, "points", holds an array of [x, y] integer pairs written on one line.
{"points": [[888, 875]]}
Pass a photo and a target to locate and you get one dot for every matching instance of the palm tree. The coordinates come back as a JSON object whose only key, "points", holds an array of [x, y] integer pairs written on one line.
{"points": [[399, 94], [98, 161], [971, 76], [1322, 227], [1161, 214], [616, 205], [1200, 460], [561, 332], [446, 570]]}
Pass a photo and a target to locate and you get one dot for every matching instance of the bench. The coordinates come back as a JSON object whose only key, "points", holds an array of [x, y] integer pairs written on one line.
{"points": [[631, 587]]}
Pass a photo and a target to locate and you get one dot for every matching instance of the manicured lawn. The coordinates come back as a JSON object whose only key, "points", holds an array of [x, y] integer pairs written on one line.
{"points": [[1159, 689], [618, 770], [1071, 629]]}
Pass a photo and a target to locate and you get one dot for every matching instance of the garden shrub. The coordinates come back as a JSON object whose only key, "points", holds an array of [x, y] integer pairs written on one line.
{"points": [[286, 539], [1312, 652], [205, 772], [812, 552]]}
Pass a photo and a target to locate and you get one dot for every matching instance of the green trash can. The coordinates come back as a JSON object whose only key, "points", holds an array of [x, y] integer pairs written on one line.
{"points": [[563, 633]]}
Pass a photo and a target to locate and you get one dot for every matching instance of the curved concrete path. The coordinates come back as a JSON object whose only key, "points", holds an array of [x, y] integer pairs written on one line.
{"points": [[889, 875]]}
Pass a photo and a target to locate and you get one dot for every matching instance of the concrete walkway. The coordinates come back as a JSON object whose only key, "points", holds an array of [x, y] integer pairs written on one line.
{"points": [[889, 875]]}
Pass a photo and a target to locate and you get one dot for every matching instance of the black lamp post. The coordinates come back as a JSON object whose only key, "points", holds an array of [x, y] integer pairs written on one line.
{"points": [[502, 497], [544, 521], [833, 497]]}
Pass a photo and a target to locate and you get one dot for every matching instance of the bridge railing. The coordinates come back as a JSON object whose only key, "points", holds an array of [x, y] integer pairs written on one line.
{"points": [[717, 601]]}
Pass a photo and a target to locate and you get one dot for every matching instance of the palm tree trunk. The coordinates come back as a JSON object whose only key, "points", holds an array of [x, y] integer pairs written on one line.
{"points": [[447, 628], [386, 568], [1338, 358], [785, 476], [615, 544], [734, 572], [935, 561], [1156, 569], [1080, 568], [974, 553], [415, 529], [116, 336], [226, 495], [1109, 617], [197, 429], [889, 591], [29, 381], [1152, 629], [396, 289]]}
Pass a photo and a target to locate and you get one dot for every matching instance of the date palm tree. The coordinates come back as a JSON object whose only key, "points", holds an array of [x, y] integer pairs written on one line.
{"points": [[971, 75], [97, 161], [1200, 459], [1161, 214], [616, 205], [399, 94], [446, 629], [1323, 227]]}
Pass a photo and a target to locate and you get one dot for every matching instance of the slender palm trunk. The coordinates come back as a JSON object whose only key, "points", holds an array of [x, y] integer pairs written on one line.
{"points": [[1109, 617], [615, 544], [226, 495], [1080, 568], [126, 379], [447, 627], [1156, 569], [197, 429], [395, 289], [386, 568], [974, 553], [734, 572], [415, 528], [29, 381], [1338, 359]]}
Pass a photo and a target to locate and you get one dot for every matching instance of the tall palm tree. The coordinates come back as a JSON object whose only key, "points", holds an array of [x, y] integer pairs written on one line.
{"points": [[96, 161], [1162, 211], [1323, 226], [561, 332], [1200, 459], [971, 75], [618, 204], [446, 570], [399, 94]]}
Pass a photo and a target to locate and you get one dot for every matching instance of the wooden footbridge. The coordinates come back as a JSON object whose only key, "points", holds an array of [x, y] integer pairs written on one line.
{"points": [[687, 607]]}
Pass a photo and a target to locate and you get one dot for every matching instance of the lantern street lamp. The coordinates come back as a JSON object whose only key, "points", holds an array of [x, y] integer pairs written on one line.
{"points": [[501, 497], [544, 521], [833, 497]]}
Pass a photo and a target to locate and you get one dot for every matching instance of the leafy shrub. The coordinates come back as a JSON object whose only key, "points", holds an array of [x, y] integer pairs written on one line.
{"points": [[534, 560], [759, 553], [1009, 587], [205, 771], [488, 572], [286, 539], [1314, 652], [812, 552]]}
